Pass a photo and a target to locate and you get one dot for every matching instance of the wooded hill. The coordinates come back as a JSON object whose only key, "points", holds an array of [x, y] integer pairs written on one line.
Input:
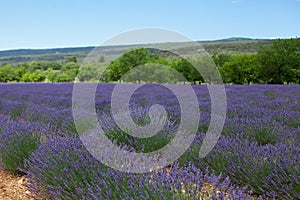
{"points": [[229, 46]]}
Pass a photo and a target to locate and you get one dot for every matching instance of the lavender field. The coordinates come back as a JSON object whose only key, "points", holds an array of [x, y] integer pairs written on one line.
{"points": [[257, 155]]}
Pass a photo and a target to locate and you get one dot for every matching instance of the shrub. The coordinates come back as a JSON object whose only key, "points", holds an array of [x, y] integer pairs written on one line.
{"points": [[271, 170], [159, 140], [18, 141], [63, 169]]}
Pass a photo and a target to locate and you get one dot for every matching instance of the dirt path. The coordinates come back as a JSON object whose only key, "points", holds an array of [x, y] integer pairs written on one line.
{"points": [[11, 187]]}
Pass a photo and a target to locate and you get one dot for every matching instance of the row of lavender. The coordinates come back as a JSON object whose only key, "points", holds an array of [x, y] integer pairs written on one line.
{"points": [[259, 147]]}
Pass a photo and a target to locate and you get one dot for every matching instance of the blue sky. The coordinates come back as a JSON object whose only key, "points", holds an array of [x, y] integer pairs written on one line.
{"points": [[69, 23]]}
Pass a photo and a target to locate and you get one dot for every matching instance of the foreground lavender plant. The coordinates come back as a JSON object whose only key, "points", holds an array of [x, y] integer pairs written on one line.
{"points": [[259, 147], [18, 141], [63, 169]]}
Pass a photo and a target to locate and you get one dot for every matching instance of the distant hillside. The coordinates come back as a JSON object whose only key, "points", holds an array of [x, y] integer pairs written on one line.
{"points": [[235, 39], [228, 40], [21, 52], [235, 45]]}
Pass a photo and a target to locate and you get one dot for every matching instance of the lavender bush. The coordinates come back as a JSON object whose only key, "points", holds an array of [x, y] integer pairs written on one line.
{"points": [[18, 141], [258, 149], [65, 170]]}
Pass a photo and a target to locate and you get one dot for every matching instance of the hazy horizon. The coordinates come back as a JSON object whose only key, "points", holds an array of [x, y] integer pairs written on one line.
{"points": [[92, 46]]}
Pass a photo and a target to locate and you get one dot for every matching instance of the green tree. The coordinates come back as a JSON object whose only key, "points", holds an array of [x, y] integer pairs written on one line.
{"points": [[20, 71], [33, 77], [72, 59], [220, 59], [279, 62], [240, 69], [152, 73], [128, 61], [35, 65], [296, 75], [69, 71], [53, 65], [8, 73], [187, 70], [88, 72], [57, 76]]}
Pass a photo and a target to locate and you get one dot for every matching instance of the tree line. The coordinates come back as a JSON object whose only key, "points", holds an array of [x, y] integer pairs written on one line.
{"points": [[40, 71], [275, 64]]}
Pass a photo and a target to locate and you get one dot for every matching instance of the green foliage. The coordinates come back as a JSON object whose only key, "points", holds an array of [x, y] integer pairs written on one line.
{"points": [[33, 77], [18, 148], [275, 61], [239, 69], [187, 70], [263, 135], [150, 67], [87, 72], [72, 59], [7, 73], [20, 72], [152, 73], [67, 73], [127, 62], [42, 66], [220, 59], [59, 77], [280, 62]]}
